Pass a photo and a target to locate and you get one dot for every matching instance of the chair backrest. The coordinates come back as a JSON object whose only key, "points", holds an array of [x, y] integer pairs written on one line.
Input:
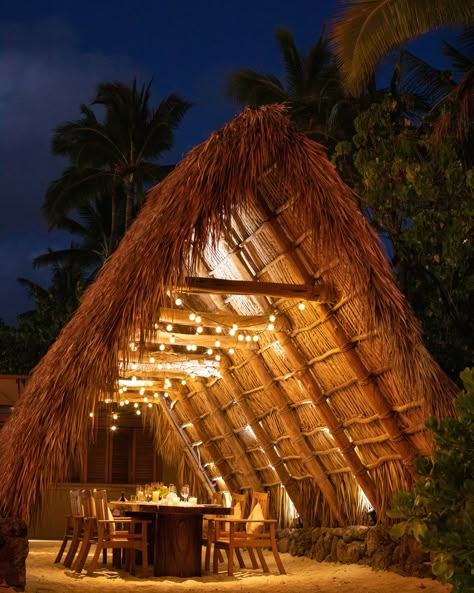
{"points": [[239, 499], [217, 498], [88, 503], [101, 508], [77, 509], [260, 498]]}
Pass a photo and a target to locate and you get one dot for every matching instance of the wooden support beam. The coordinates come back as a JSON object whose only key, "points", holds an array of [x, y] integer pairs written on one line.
{"points": [[212, 320], [309, 292], [251, 480], [203, 340]]}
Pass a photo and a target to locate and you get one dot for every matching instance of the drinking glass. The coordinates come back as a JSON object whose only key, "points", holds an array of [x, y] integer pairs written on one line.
{"points": [[185, 492]]}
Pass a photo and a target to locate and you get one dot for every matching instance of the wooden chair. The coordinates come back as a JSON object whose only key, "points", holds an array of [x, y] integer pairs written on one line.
{"points": [[259, 533], [74, 529], [108, 537]]}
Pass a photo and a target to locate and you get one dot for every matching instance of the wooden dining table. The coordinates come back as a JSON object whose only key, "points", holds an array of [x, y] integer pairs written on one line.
{"points": [[176, 534]]}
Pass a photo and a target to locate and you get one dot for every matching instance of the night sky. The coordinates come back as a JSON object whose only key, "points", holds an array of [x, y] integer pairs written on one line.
{"points": [[53, 54]]}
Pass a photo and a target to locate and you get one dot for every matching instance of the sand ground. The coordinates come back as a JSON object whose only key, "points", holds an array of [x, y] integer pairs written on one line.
{"points": [[304, 576]]}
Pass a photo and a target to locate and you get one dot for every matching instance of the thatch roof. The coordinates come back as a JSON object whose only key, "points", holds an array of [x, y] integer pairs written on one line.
{"points": [[331, 403]]}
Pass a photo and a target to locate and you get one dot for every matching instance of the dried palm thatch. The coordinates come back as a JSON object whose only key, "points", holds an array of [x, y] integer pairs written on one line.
{"points": [[330, 403]]}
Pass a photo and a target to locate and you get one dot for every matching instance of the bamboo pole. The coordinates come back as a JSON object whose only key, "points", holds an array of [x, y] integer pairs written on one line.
{"points": [[225, 469], [241, 458], [188, 450], [367, 382], [204, 340]]}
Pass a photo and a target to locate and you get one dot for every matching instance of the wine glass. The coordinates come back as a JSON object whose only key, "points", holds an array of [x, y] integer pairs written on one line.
{"points": [[185, 492]]}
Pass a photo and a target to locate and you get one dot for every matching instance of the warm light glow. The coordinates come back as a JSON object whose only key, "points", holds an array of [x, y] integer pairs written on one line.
{"points": [[91, 414], [145, 399], [255, 338], [198, 319], [192, 316], [301, 306], [270, 327], [113, 427], [150, 405], [124, 388], [115, 416], [160, 366], [152, 359], [231, 351], [142, 390], [240, 337], [135, 405], [209, 351], [183, 382], [188, 347], [218, 357], [200, 329], [127, 402], [172, 339], [218, 329], [155, 395], [121, 404], [134, 366], [134, 378], [178, 302], [166, 394], [138, 413], [235, 327], [248, 338], [169, 327], [217, 343], [272, 318], [232, 332], [162, 346]]}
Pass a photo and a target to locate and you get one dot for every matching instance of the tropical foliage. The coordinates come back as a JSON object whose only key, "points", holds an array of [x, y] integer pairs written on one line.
{"points": [[365, 31], [439, 511]]}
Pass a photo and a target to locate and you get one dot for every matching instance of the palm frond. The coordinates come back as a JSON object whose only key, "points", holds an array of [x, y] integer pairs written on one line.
{"points": [[292, 61], [420, 79], [459, 61], [364, 31], [247, 87]]}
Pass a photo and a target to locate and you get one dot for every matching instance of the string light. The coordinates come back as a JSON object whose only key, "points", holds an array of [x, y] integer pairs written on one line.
{"points": [[162, 347], [142, 390], [113, 427], [198, 319], [152, 359], [150, 405], [134, 366], [145, 399], [240, 337], [183, 382], [135, 405], [301, 306], [160, 366], [178, 302], [169, 327], [91, 414], [166, 394], [124, 388], [192, 316], [121, 404], [270, 327], [209, 351], [255, 338], [172, 339], [138, 413], [218, 329], [231, 351], [235, 327], [115, 416], [272, 318], [200, 329], [134, 378], [127, 402], [217, 344], [155, 395], [248, 338], [232, 332], [218, 357]]}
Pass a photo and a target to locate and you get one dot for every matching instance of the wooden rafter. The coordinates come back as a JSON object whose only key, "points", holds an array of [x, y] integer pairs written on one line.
{"points": [[212, 320]]}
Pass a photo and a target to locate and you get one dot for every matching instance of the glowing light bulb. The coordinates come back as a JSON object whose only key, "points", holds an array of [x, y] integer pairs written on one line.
{"points": [[301, 306], [135, 405], [150, 405], [183, 382], [217, 343], [134, 366], [248, 338], [270, 327], [121, 404], [232, 332], [235, 327], [124, 388], [218, 357], [166, 394], [169, 327], [198, 319], [113, 427], [200, 329], [120, 390], [91, 414], [155, 395], [255, 338], [240, 337], [218, 329], [209, 351], [160, 367], [178, 302], [162, 347], [142, 390], [172, 339], [152, 359], [156, 326], [134, 378], [194, 347], [127, 402], [115, 416], [168, 365], [192, 316], [188, 347], [231, 351], [145, 399], [138, 413], [272, 318]]}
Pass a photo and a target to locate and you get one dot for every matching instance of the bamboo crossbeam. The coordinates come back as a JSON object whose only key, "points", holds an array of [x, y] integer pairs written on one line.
{"points": [[212, 320], [223, 465], [262, 437], [241, 458], [189, 452], [367, 382], [337, 431], [309, 292], [203, 340], [287, 417]]}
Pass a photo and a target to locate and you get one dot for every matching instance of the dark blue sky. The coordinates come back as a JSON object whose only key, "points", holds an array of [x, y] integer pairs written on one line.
{"points": [[53, 54]]}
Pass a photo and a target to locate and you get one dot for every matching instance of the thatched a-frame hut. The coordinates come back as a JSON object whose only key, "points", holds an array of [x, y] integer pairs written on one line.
{"points": [[255, 249]]}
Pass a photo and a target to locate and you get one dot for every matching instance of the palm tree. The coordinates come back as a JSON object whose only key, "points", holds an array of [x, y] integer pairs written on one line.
{"points": [[364, 31], [311, 86], [92, 228], [117, 156]]}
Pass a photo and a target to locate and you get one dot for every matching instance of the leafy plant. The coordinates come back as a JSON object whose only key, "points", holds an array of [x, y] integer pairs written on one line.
{"points": [[439, 511]]}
